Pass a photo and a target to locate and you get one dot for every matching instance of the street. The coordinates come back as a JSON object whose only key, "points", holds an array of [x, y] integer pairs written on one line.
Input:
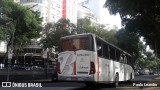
{"points": [[142, 79], [122, 85]]}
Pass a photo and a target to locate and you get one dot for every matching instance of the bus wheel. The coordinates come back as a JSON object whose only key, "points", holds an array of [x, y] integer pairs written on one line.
{"points": [[116, 80]]}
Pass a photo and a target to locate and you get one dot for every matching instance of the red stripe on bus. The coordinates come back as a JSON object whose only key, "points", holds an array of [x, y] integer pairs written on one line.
{"points": [[98, 76], [75, 68], [75, 78]]}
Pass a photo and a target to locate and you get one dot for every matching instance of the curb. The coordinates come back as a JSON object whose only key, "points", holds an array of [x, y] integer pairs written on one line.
{"points": [[157, 78]]}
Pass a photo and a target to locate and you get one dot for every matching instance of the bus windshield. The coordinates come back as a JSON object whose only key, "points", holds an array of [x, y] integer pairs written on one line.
{"points": [[72, 44]]}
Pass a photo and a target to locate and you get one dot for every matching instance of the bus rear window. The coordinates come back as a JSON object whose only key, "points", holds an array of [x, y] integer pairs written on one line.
{"points": [[76, 44]]}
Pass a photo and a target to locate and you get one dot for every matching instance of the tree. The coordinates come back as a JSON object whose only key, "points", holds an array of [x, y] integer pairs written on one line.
{"points": [[47, 34], [139, 16], [52, 32], [18, 23], [84, 25], [130, 43]]}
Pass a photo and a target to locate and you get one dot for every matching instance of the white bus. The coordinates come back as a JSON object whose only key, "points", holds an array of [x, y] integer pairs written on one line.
{"points": [[90, 59]]}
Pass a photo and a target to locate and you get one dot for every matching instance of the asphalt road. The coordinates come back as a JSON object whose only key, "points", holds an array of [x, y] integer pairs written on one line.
{"points": [[48, 85]]}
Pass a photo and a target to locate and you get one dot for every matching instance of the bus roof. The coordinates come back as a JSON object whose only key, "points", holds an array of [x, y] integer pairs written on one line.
{"points": [[86, 34]]}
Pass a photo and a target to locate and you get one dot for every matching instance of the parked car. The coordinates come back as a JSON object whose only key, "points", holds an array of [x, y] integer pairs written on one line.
{"points": [[146, 71], [151, 72], [36, 68], [18, 67]]}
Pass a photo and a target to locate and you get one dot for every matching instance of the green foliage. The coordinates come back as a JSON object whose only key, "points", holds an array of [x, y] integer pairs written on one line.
{"points": [[147, 59], [130, 43], [52, 32], [20, 20], [1, 33], [139, 16], [109, 36], [18, 24], [84, 26]]}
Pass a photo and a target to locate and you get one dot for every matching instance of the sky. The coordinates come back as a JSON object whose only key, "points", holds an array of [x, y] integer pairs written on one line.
{"points": [[110, 19], [107, 18]]}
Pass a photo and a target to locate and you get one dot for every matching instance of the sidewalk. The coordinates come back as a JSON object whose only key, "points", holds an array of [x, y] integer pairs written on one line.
{"points": [[21, 75], [157, 78]]}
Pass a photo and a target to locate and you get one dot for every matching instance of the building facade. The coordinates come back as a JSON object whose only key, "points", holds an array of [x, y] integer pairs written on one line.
{"points": [[50, 10], [3, 49], [84, 12], [96, 6], [31, 54], [69, 10], [54, 10]]}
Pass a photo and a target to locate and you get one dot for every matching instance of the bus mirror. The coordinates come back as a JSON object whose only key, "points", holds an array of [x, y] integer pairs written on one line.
{"points": [[99, 48]]}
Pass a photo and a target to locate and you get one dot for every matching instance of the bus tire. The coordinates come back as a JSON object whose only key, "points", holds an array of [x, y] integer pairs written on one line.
{"points": [[129, 79], [116, 80]]}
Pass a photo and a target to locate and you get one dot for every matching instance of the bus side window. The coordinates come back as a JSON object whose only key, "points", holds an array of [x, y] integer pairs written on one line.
{"points": [[128, 60], [112, 53], [125, 59], [105, 51], [99, 47], [117, 55], [122, 58]]}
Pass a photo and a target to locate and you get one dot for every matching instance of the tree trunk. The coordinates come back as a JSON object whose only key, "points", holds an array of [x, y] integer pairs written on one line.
{"points": [[8, 44]]}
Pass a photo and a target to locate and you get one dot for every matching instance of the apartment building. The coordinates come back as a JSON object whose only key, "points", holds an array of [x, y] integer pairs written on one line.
{"points": [[50, 9], [69, 10], [84, 12]]}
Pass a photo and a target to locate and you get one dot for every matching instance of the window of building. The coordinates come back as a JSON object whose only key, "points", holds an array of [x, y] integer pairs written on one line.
{"points": [[38, 50]]}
